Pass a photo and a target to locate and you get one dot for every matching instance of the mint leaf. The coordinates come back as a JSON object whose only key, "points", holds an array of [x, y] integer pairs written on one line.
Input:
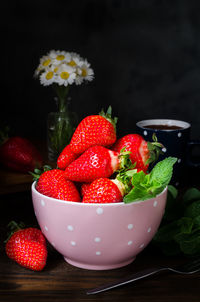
{"points": [[139, 179], [173, 191], [193, 210], [186, 225], [147, 186], [172, 209], [167, 232], [162, 172], [191, 195], [181, 232]]}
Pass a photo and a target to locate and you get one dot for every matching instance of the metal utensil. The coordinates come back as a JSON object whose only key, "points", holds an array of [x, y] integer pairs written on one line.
{"points": [[188, 268]]}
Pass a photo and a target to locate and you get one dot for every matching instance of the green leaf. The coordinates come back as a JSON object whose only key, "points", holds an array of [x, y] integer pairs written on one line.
{"points": [[147, 186], [197, 221], [162, 172], [172, 191], [167, 232], [191, 246], [191, 195], [172, 209], [138, 179], [193, 210], [137, 194], [185, 224], [181, 233]]}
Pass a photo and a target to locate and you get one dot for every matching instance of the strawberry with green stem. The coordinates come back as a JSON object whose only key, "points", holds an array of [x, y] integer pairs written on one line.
{"points": [[142, 153], [96, 162], [27, 247], [94, 130], [130, 185], [105, 190]]}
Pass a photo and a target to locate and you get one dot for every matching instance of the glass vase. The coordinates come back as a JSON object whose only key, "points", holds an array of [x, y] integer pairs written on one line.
{"points": [[60, 128]]}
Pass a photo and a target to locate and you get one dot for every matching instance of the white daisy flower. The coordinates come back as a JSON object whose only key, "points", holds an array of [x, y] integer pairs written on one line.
{"points": [[65, 75], [59, 57], [63, 68], [48, 77], [45, 62], [75, 60], [84, 72]]}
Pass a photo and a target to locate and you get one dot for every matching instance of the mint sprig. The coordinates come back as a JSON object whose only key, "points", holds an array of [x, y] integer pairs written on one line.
{"points": [[179, 232], [147, 186]]}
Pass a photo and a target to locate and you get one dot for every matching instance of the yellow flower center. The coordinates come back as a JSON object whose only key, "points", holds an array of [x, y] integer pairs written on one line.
{"points": [[55, 69], [84, 73], [64, 75], [60, 57], [72, 63], [46, 62], [49, 75]]}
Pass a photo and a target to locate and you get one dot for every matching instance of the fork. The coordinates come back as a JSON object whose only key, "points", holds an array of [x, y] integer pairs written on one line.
{"points": [[188, 268]]}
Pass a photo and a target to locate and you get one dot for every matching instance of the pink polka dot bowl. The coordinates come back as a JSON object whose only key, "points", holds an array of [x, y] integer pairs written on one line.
{"points": [[98, 236]]}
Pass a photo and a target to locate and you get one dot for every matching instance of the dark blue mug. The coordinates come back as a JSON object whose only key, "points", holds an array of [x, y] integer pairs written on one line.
{"points": [[175, 137]]}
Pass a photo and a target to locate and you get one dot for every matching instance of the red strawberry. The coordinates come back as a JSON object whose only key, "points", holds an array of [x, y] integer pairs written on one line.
{"points": [[84, 188], [20, 154], [28, 248], [53, 184], [66, 157], [95, 162], [104, 190], [138, 148], [94, 130]]}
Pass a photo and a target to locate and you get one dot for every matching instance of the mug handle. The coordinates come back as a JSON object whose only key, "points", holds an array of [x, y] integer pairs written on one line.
{"points": [[191, 145]]}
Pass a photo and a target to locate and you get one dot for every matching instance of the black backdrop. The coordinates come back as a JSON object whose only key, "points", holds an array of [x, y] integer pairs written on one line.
{"points": [[145, 55]]}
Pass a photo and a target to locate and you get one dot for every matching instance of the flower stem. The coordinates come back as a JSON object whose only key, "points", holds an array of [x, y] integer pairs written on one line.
{"points": [[61, 92]]}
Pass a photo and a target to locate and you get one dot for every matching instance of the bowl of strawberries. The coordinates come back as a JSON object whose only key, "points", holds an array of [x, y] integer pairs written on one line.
{"points": [[101, 206]]}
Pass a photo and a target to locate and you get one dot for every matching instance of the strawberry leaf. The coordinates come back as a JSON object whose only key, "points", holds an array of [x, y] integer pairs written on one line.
{"points": [[108, 116]]}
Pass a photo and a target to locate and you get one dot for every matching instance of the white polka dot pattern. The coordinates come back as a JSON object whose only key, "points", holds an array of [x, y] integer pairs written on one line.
{"points": [[155, 203], [97, 239], [149, 230], [42, 202], [99, 211], [70, 228], [130, 226]]}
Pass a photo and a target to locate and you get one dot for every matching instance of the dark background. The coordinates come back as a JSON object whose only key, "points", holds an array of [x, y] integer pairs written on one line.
{"points": [[145, 56]]}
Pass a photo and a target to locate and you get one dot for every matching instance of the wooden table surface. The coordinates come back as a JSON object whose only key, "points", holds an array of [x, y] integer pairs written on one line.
{"points": [[59, 281]]}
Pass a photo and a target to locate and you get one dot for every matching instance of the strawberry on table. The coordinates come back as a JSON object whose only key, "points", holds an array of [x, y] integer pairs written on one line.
{"points": [[66, 157], [142, 152], [53, 184], [19, 154], [94, 130], [95, 162], [28, 248]]}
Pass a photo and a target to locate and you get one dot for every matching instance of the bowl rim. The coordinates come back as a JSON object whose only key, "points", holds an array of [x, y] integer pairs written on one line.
{"points": [[33, 188]]}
